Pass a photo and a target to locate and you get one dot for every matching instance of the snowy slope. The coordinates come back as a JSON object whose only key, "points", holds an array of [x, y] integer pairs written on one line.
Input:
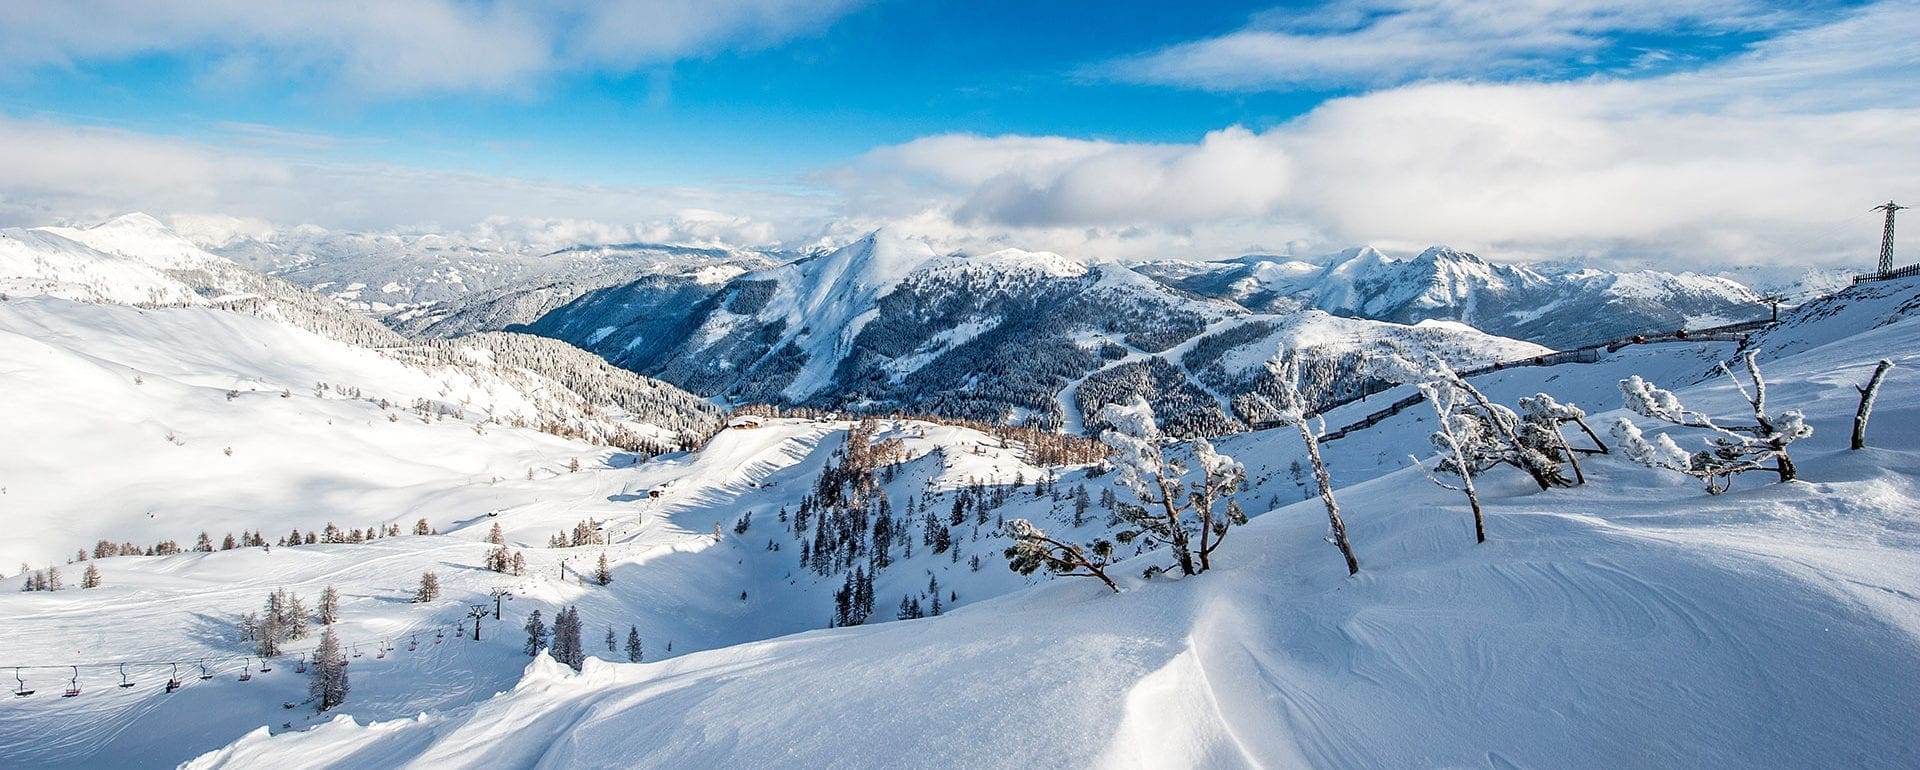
{"points": [[1632, 622]]}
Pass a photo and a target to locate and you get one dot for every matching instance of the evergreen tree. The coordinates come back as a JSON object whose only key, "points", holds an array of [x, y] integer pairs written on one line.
{"points": [[329, 606], [567, 646], [536, 634], [495, 536], [328, 682], [228, 544], [633, 644], [204, 544], [429, 588], [420, 527], [610, 639], [933, 587], [603, 575]]}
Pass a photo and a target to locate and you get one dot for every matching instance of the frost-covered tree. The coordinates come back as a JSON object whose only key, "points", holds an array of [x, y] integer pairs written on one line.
{"points": [[634, 651], [1186, 517], [429, 589], [1540, 421], [329, 606], [536, 634], [495, 536], [1033, 550], [1289, 407], [1451, 440], [1733, 449], [327, 681], [420, 527]]}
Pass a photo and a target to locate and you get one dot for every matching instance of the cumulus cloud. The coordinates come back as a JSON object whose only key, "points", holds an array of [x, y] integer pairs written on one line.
{"points": [[1386, 42], [1756, 159], [400, 47]]}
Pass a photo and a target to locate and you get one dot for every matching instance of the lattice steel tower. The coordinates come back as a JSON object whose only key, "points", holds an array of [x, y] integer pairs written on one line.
{"points": [[1886, 235]]}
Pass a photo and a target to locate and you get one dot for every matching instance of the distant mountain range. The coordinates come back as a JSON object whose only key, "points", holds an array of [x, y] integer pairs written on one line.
{"points": [[886, 323]]}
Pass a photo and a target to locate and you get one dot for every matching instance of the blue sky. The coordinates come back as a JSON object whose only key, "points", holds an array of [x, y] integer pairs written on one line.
{"points": [[815, 118]]}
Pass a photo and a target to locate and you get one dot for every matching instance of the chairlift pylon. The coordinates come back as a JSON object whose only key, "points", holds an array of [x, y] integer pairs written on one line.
{"points": [[21, 691], [124, 681], [73, 686]]}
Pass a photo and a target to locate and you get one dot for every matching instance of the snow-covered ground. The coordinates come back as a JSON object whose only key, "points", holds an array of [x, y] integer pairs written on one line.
{"points": [[1634, 621]]}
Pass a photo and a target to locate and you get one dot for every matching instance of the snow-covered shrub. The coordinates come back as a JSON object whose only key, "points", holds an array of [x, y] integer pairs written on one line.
{"points": [[1734, 449], [1186, 517]]}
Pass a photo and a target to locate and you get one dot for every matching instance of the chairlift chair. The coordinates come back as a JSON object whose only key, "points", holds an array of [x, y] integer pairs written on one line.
{"points": [[246, 674], [124, 681], [73, 687], [21, 691], [356, 651], [265, 665], [205, 673], [301, 668], [173, 679]]}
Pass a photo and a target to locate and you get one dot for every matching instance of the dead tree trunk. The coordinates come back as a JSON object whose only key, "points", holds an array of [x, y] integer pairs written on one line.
{"points": [[1867, 395], [1325, 483]]}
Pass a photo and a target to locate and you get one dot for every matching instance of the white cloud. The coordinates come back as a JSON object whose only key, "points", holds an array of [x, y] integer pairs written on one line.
{"points": [[399, 47], [1771, 156], [1386, 42], [58, 172]]}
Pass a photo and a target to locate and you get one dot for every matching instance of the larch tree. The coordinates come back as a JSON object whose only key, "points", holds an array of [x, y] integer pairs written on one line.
{"points": [[329, 606], [327, 681], [429, 589]]}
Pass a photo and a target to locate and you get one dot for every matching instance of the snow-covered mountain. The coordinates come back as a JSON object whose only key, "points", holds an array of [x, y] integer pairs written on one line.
{"points": [[1563, 308], [888, 324], [439, 285]]}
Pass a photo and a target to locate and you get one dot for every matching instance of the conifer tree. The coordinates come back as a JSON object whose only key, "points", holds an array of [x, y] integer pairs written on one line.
{"points": [[90, 578], [603, 575], [536, 634], [610, 639], [329, 606], [429, 589], [328, 682], [495, 536], [633, 644]]}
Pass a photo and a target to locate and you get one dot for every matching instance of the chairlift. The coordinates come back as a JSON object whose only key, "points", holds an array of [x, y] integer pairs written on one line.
{"points": [[302, 667], [73, 687], [22, 690], [415, 644], [246, 674], [383, 649], [205, 673], [124, 681], [265, 665], [173, 679], [356, 651]]}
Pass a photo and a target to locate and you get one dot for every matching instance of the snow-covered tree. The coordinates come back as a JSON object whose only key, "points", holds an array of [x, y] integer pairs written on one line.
{"points": [[1289, 407], [327, 681], [1033, 550], [91, 577], [602, 573], [1733, 449], [495, 536], [1452, 441], [1186, 517], [1541, 418]]}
